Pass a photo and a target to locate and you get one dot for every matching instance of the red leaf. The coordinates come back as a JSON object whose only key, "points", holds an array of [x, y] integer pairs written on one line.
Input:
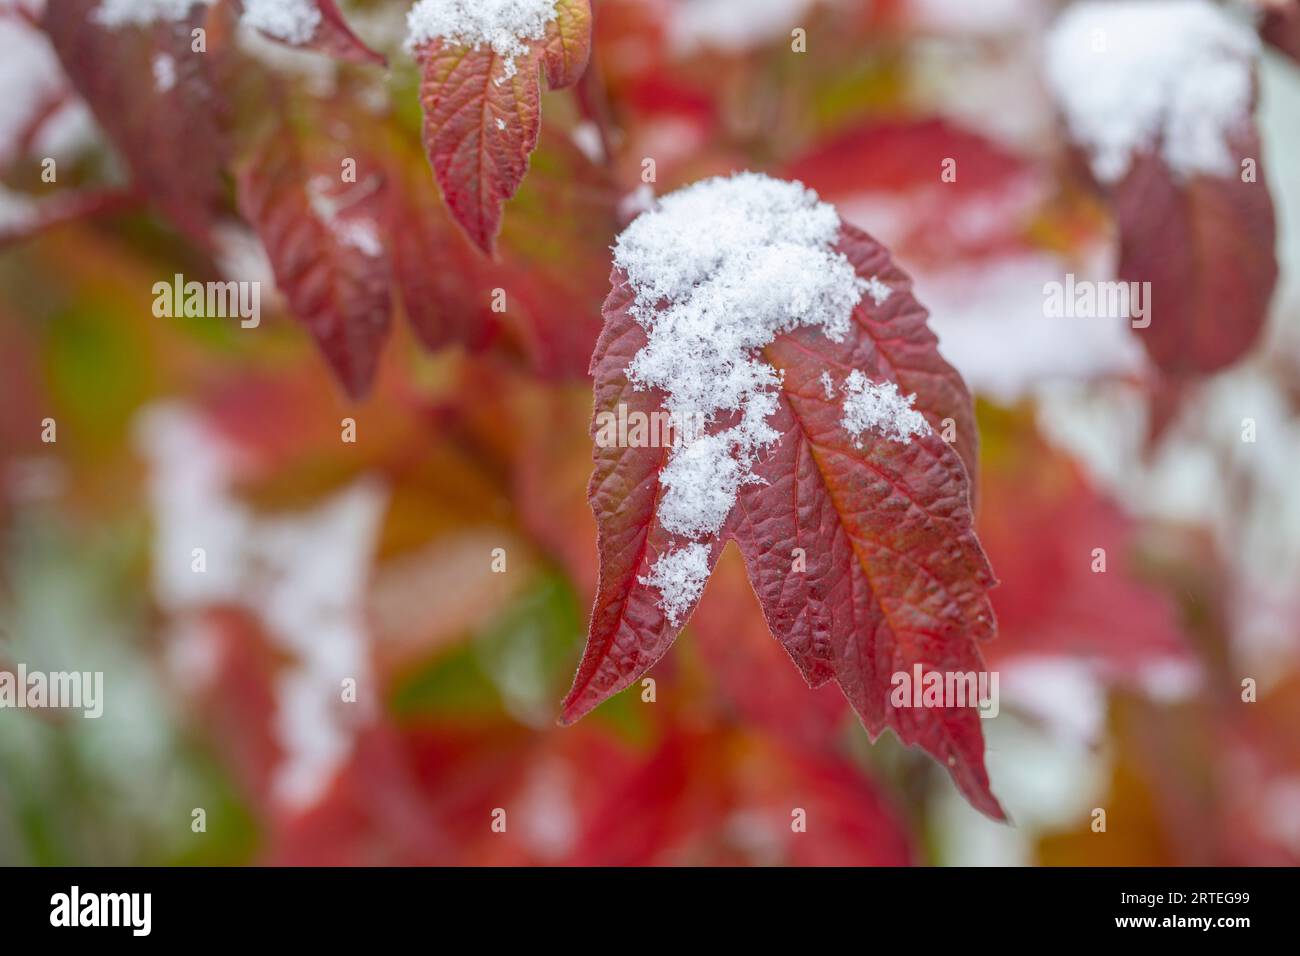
{"points": [[446, 291], [481, 118], [723, 799], [894, 574], [1281, 27], [1206, 245], [334, 37], [894, 173], [1040, 521], [156, 100], [753, 672], [322, 237]]}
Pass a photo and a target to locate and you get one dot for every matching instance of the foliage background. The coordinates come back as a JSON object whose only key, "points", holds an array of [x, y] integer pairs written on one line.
{"points": [[373, 560]]}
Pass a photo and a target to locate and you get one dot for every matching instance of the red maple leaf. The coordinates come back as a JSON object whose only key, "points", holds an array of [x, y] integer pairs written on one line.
{"points": [[482, 114], [893, 576]]}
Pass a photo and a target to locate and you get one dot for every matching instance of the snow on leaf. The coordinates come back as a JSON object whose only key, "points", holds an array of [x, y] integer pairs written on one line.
{"points": [[1161, 96], [891, 574], [876, 407], [481, 94], [312, 24], [323, 240], [119, 13], [1143, 75], [167, 126]]}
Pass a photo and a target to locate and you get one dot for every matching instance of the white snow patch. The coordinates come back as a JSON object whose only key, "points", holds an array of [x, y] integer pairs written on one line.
{"points": [[1132, 76], [878, 407], [679, 575], [31, 77], [504, 25], [17, 211], [586, 136], [639, 200], [878, 291], [361, 233], [988, 17], [732, 25], [124, 13], [305, 575], [719, 269], [501, 124], [828, 386], [976, 308], [293, 21], [164, 72]]}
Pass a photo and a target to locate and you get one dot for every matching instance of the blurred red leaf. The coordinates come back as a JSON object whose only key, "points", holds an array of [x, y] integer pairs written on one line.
{"points": [[723, 799], [753, 671], [894, 575], [1281, 27], [890, 177], [483, 115], [1040, 522], [324, 240], [555, 257], [446, 288], [1206, 245], [157, 101]]}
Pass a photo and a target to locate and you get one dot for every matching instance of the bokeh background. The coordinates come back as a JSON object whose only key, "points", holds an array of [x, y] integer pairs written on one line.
{"points": [[374, 560]]}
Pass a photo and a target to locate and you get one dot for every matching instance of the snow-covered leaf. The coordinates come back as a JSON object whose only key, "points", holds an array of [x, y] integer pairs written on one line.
{"points": [[1180, 165], [809, 400], [481, 64]]}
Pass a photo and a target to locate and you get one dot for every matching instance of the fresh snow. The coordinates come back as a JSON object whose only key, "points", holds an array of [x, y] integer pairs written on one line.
{"points": [[1131, 75], [878, 407], [361, 233], [305, 575], [878, 291], [17, 211], [719, 269], [732, 26], [679, 575], [120, 13], [293, 21], [504, 25]]}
